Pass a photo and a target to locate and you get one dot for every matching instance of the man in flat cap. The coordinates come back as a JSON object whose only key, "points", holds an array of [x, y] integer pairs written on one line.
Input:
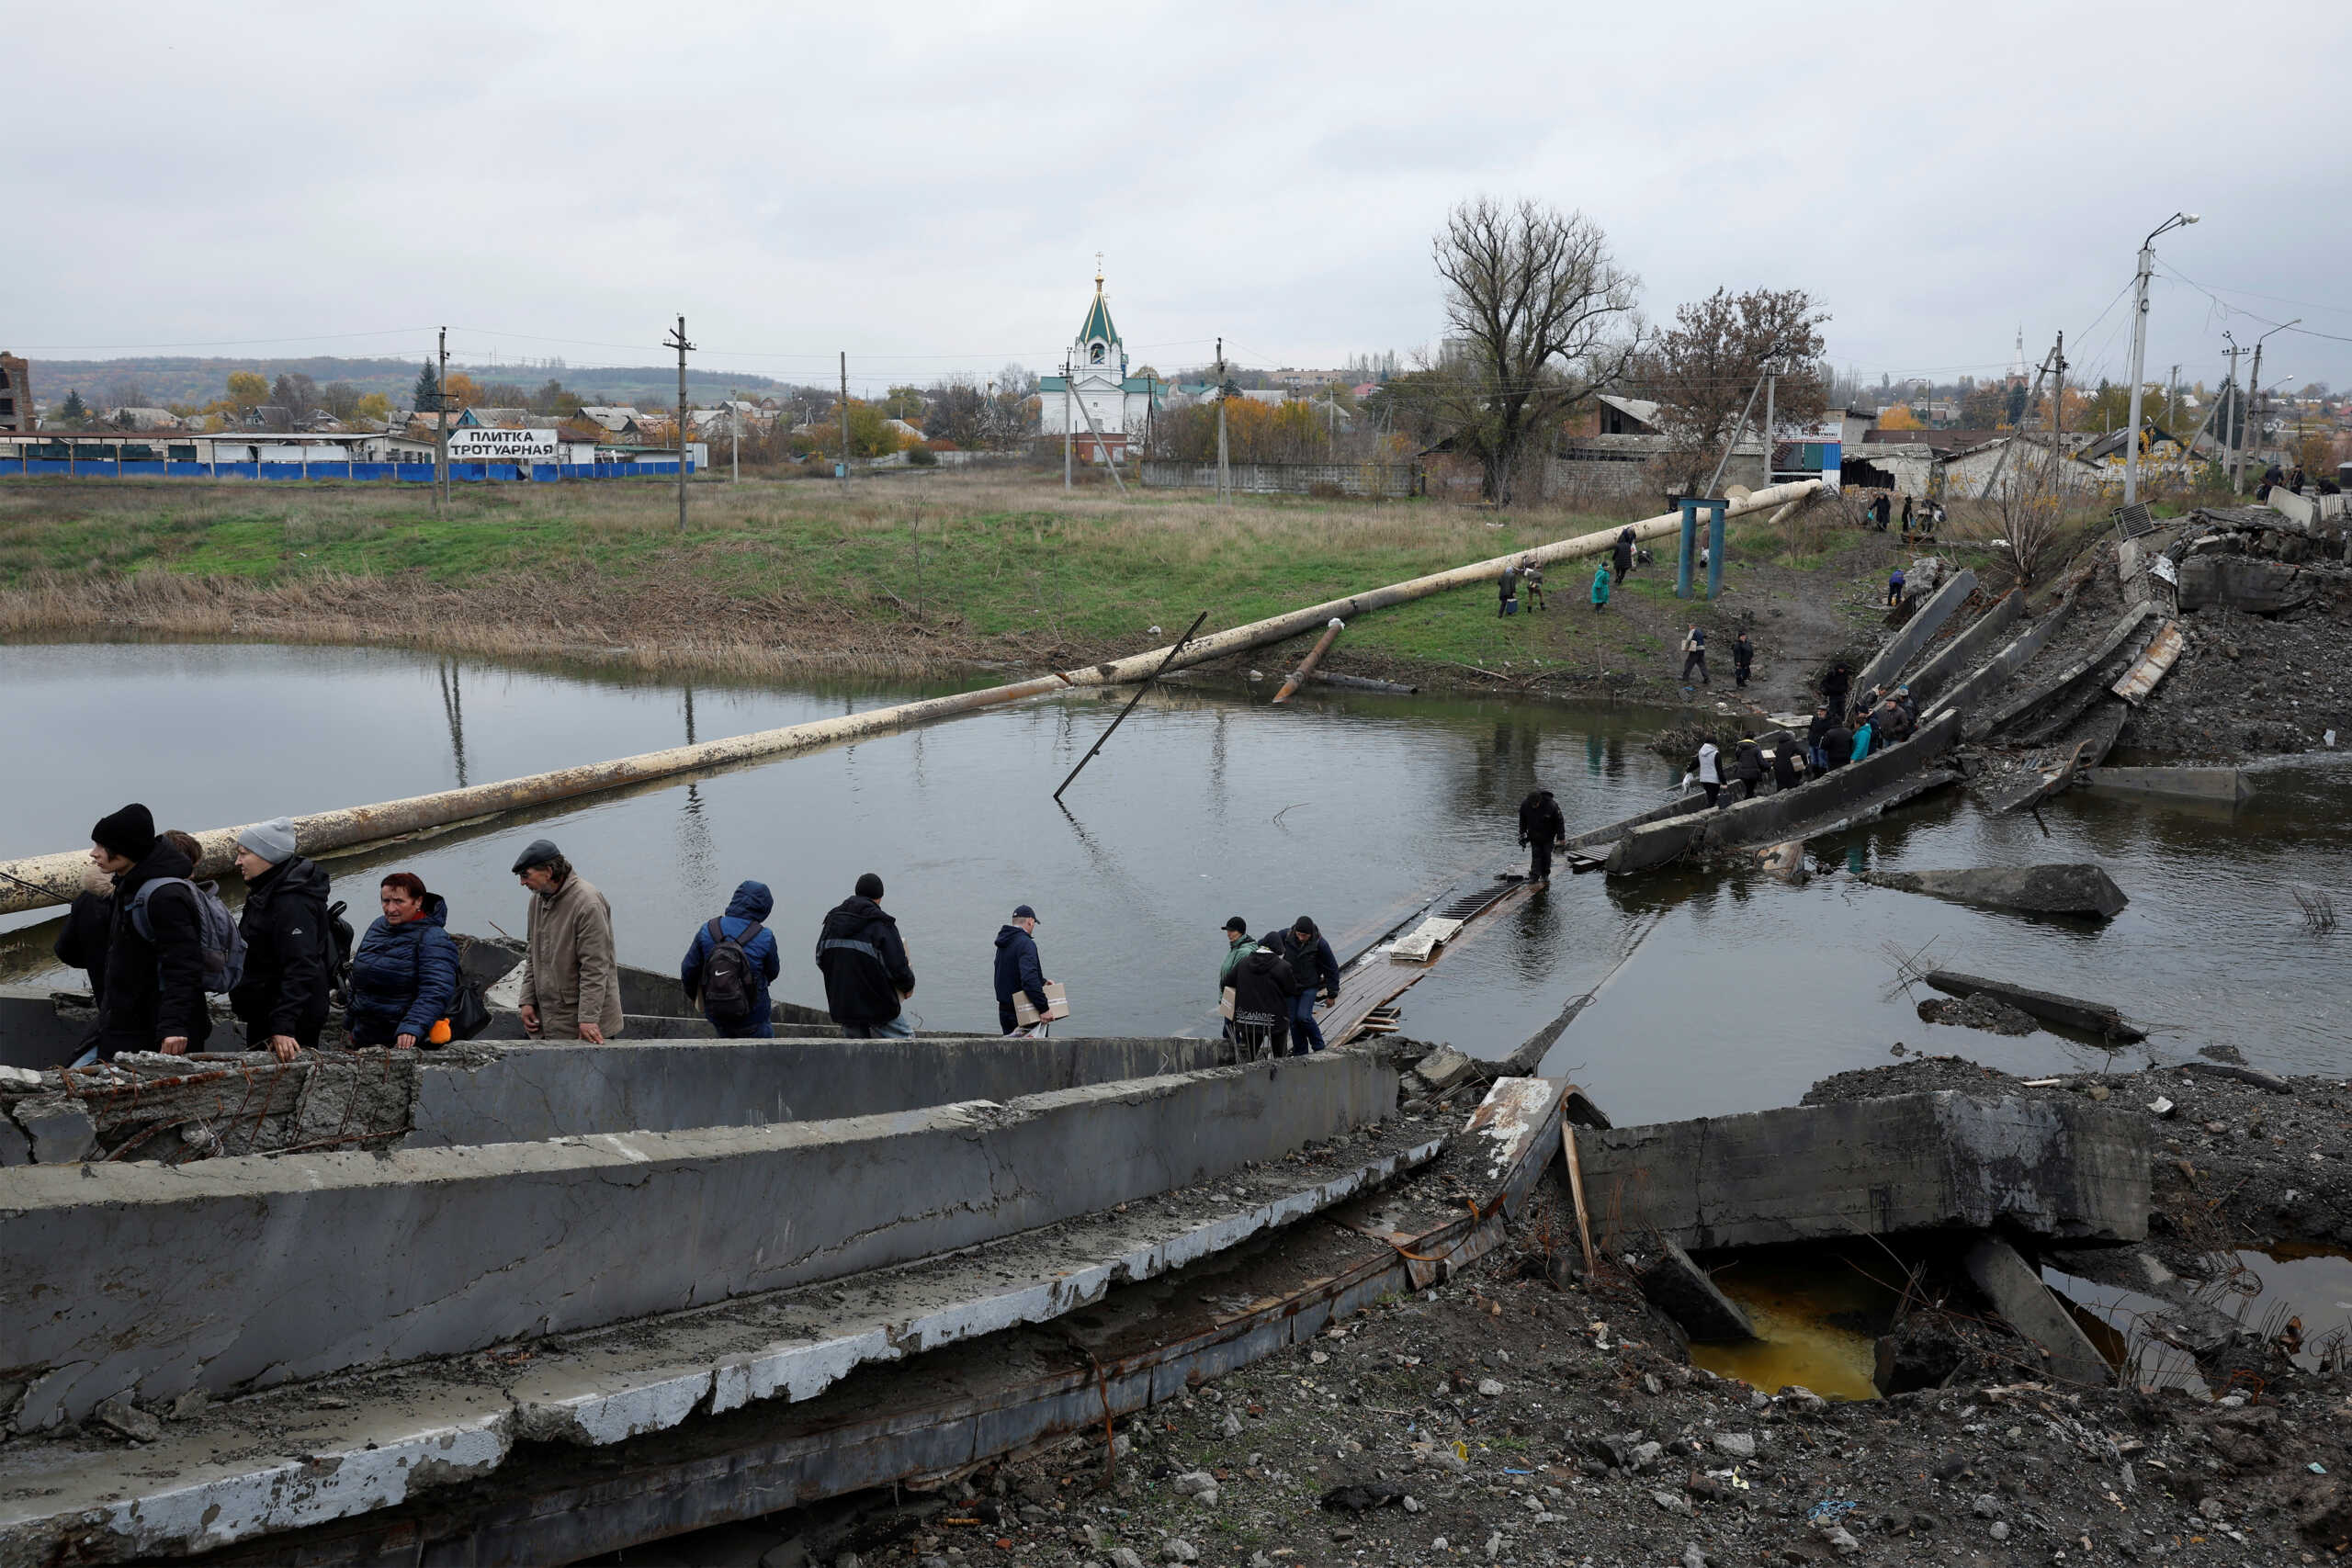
{"points": [[571, 986]]}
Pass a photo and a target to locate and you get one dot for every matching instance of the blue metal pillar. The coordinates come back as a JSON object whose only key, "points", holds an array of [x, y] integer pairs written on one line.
{"points": [[1716, 512], [1690, 548]]}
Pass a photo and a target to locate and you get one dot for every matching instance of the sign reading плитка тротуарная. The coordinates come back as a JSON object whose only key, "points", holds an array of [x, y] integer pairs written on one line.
{"points": [[483, 445]]}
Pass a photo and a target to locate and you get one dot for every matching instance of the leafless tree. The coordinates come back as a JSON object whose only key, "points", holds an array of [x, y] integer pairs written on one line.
{"points": [[1706, 367], [1541, 317]]}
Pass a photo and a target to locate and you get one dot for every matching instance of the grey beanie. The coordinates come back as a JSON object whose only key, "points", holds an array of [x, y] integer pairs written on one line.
{"points": [[273, 840]]}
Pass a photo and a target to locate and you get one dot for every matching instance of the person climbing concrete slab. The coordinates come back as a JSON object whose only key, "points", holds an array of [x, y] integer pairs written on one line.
{"points": [[571, 982], [867, 977]]}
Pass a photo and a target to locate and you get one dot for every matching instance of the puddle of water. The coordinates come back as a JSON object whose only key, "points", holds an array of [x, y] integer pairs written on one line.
{"points": [[2112, 1318], [1817, 1317], [2308, 1286]]}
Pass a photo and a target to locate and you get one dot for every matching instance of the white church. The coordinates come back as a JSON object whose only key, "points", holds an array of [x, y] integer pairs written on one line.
{"points": [[1107, 411]]}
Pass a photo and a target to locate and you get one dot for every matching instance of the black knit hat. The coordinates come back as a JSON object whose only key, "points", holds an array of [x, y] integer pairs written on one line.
{"points": [[130, 832]]}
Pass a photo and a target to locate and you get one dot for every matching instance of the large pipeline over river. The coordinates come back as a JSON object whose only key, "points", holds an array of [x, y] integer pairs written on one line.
{"points": [[41, 880]]}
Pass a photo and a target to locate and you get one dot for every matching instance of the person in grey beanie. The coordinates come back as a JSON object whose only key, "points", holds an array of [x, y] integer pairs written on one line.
{"points": [[282, 996]]}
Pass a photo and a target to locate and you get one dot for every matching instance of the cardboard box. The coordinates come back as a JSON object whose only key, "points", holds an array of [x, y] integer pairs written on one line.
{"points": [[1057, 1005]]}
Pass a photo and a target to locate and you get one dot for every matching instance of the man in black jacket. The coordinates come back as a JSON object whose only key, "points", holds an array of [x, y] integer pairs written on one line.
{"points": [[282, 996], [1540, 825], [1834, 687], [1313, 964], [154, 980], [864, 965], [1263, 991]]}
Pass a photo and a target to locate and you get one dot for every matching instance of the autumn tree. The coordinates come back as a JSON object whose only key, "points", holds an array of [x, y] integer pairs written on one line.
{"points": [[1985, 406], [464, 391], [374, 406], [248, 390], [1706, 368], [1898, 416], [902, 403], [1540, 317]]}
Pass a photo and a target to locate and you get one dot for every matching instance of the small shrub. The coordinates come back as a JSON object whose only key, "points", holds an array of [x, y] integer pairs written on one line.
{"points": [[921, 457]]}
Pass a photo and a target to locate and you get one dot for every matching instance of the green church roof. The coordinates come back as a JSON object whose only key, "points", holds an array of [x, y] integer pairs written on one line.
{"points": [[1098, 321]]}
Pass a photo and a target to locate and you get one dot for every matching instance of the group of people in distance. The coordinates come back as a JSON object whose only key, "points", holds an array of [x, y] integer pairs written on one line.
{"points": [[158, 945]]}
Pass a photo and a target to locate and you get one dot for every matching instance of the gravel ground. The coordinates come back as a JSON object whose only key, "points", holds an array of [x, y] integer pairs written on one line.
{"points": [[2248, 684]]}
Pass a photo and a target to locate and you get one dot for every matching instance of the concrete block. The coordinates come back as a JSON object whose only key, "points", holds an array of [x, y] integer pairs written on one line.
{"points": [[159, 1280], [1444, 1068], [2057, 888], [2067, 1012], [2053, 691], [2228, 785], [1975, 691], [2016, 1291], [1681, 1289], [2065, 1169], [1790, 814], [33, 1032], [1653, 844], [524, 1093], [2249, 583], [58, 1127], [1962, 652], [16, 1148]]}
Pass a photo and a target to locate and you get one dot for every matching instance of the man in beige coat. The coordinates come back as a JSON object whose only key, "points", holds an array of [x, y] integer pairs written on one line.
{"points": [[572, 987]]}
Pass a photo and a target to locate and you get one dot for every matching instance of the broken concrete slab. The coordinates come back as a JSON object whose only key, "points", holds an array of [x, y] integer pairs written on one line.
{"points": [[1684, 1291], [418, 1252], [2246, 583], [2163, 652], [2228, 785], [2065, 1169], [1974, 691], [1963, 651], [2243, 1073], [1786, 814], [2046, 707], [2057, 888], [1653, 844], [1444, 1070], [2067, 1012], [2015, 1290], [1913, 635]]}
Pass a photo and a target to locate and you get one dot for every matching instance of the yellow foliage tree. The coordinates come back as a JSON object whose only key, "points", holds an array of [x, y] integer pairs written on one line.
{"points": [[463, 389], [247, 391], [1898, 418]]}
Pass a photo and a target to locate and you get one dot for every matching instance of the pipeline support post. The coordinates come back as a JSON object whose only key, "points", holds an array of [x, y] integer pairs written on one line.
{"points": [[1718, 509], [1689, 508]]}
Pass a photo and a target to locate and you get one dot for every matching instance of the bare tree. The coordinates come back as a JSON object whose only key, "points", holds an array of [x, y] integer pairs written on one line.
{"points": [[1707, 365], [1541, 317]]}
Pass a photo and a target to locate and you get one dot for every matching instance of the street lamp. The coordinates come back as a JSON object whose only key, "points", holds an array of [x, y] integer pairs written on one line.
{"points": [[2253, 381], [2140, 349]]}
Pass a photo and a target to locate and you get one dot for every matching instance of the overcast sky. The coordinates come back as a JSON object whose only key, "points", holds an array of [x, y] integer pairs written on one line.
{"points": [[926, 185]]}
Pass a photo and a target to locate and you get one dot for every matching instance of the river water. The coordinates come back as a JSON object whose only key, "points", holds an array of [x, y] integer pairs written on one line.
{"points": [[1354, 808]]}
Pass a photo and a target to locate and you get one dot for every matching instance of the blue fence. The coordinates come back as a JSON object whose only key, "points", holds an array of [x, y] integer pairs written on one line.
{"points": [[404, 473]]}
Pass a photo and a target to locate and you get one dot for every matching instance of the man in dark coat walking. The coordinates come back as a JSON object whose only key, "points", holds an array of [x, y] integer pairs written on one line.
{"points": [[750, 908], [864, 964], [154, 991], [1621, 557], [1018, 972], [1315, 966], [282, 996], [1264, 991], [1540, 825]]}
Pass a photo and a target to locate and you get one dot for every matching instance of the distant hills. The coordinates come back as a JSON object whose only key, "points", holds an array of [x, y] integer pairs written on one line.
{"points": [[162, 380]]}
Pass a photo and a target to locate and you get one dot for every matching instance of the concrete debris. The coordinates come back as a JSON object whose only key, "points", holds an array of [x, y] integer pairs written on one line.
{"points": [[2067, 1012], [2065, 1169], [58, 1128], [120, 1415], [2229, 785], [2254, 1076], [2255, 586], [2015, 1290], [1444, 1070], [1984, 1012], [1681, 1289], [2052, 889]]}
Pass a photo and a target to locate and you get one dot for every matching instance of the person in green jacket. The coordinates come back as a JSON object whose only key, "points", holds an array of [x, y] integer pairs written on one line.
{"points": [[1238, 945], [1600, 587]]}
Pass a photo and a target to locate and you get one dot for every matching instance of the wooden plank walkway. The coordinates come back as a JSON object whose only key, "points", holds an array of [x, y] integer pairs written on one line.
{"points": [[1374, 981]]}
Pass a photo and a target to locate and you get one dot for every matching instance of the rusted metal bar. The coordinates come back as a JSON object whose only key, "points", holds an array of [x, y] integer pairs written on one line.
{"points": [[1314, 657]]}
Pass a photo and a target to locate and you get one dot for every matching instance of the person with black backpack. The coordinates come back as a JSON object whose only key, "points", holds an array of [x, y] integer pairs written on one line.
{"points": [[730, 964], [156, 967], [282, 996]]}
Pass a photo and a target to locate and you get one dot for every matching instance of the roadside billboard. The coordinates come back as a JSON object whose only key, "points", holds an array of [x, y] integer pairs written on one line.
{"points": [[487, 445]]}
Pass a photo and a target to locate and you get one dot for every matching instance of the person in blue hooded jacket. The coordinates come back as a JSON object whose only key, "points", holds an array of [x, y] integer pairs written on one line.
{"points": [[750, 906], [405, 977], [1017, 969]]}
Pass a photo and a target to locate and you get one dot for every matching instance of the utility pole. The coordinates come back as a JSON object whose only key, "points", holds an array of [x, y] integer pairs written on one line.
{"points": [[2233, 431], [1223, 469], [678, 340], [441, 436], [2252, 389], [1069, 422], [2140, 348], [735, 440], [1771, 386], [2057, 405], [845, 422], [2172, 400]]}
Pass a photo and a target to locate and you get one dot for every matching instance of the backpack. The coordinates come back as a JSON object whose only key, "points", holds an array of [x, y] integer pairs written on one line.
{"points": [[727, 978], [335, 953], [217, 933]]}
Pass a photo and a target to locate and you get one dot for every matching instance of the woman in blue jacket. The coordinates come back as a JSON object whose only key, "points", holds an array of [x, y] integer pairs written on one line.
{"points": [[405, 977]]}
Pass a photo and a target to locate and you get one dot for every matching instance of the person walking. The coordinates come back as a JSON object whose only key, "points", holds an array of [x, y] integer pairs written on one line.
{"points": [[1708, 769], [1906, 519], [571, 983], [1743, 660], [1621, 555], [1600, 589], [282, 995], [1822, 721], [1237, 944], [405, 971], [730, 964], [154, 963], [1540, 825], [1836, 746], [1317, 969], [864, 965], [1747, 767], [1507, 587], [1018, 972], [82, 939], [1834, 687], [1864, 738], [1694, 654], [1894, 587], [1788, 768], [1531, 582], [1264, 989]]}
